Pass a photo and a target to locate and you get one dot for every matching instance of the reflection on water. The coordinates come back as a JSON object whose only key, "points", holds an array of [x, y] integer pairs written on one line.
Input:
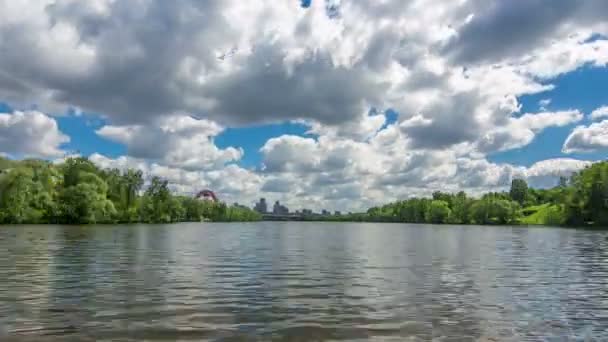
{"points": [[302, 281]]}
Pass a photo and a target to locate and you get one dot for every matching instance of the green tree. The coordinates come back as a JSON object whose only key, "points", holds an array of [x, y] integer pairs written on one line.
{"points": [[586, 201], [73, 168], [495, 210], [86, 202], [438, 212], [123, 190], [519, 190], [193, 209], [22, 199], [443, 196], [157, 203], [133, 180], [6, 164], [461, 207], [77, 191]]}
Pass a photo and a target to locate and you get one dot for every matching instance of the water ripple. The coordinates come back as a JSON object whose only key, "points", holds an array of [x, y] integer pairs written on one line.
{"points": [[301, 282]]}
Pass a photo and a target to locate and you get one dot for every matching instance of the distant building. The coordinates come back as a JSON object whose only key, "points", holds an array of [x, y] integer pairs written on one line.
{"points": [[279, 209], [261, 207], [325, 212], [337, 213], [306, 212]]}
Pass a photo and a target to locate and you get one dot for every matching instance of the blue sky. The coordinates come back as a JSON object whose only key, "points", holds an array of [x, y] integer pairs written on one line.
{"points": [[583, 89], [251, 139], [84, 140]]}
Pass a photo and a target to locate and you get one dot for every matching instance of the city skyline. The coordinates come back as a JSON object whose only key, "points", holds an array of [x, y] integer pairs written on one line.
{"points": [[261, 207]]}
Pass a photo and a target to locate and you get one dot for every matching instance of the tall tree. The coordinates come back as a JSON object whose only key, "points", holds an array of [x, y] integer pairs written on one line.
{"points": [[519, 190]]}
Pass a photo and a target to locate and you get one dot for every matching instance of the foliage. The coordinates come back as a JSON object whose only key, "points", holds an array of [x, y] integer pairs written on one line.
{"points": [[461, 208], [580, 200], [78, 192], [586, 200], [5, 164], [495, 210], [544, 214], [519, 190], [438, 212], [492, 208]]}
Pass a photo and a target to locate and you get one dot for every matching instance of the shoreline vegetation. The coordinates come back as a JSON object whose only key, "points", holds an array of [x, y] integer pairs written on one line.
{"points": [[77, 191], [578, 201]]}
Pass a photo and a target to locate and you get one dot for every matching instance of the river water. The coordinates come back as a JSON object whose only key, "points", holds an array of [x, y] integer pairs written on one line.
{"points": [[302, 282]]}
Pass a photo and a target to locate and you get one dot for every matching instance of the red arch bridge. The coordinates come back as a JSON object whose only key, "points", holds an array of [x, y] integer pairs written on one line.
{"points": [[207, 195]]}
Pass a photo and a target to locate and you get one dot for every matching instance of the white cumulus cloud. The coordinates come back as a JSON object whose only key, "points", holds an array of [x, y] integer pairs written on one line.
{"points": [[590, 138], [179, 140], [30, 133], [600, 113]]}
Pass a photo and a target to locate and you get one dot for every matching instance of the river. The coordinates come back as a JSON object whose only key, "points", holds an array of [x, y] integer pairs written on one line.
{"points": [[302, 281]]}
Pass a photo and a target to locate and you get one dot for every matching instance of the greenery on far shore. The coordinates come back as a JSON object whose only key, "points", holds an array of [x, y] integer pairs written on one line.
{"points": [[79, 192], [581, 200]]}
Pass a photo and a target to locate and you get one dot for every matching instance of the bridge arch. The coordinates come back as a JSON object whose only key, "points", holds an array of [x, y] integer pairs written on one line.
{"points": [[207, 195]]}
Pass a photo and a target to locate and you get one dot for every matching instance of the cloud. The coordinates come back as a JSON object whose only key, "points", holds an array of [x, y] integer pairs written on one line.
{"points": [[232, 61], [279, 184], [30, 133], [504, 29], [520, 131], [565, 55], [313, 88], [383, 168], [241, 62], [600, 113], [169, 77], [290, 152], [544, 173], [543, 120], [232, 183], [445, 123], [585, 139], [361, 129], [543, 104], [352, 188], [179, 141]]}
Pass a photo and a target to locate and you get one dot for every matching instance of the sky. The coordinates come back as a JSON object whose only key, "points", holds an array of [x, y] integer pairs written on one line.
{"points": [[334, 104]]}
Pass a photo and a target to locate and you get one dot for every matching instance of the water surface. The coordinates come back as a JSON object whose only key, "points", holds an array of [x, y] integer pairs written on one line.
{"points": [[301, 282]]}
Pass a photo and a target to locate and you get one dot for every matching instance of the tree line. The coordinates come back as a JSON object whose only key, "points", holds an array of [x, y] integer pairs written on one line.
{"points": [[78, 192], [580, 200]]}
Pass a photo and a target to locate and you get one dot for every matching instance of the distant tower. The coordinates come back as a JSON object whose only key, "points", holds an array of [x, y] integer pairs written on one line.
{"points": [[279, 209], [276, 209], [261, 207]]}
